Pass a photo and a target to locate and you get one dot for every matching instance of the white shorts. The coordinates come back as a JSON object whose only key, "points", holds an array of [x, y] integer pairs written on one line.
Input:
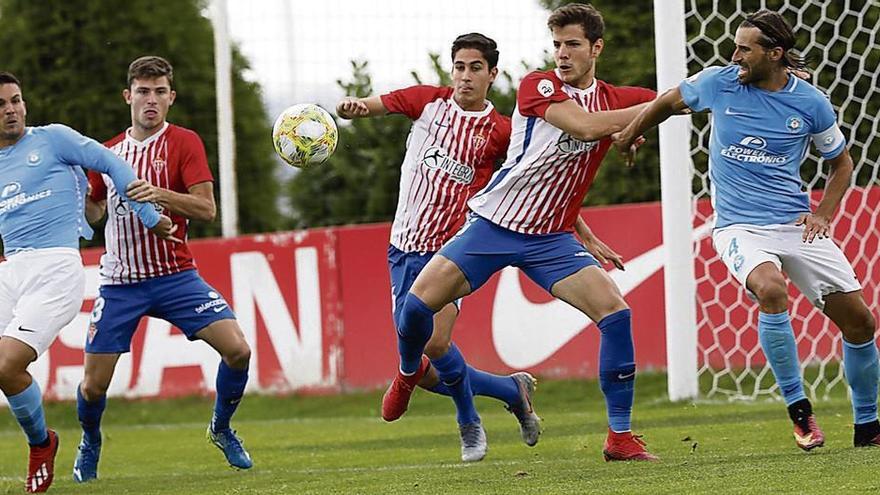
{"points": [[816, 269], [40, 292]]}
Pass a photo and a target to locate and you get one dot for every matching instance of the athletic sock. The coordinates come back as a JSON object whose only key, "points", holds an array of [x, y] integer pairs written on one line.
{"points": [[777, 342], [415, 328], [27, 407], [861, 368], [90, 413], [617, 368], [230, 388], [453, 372], [503, 388]]}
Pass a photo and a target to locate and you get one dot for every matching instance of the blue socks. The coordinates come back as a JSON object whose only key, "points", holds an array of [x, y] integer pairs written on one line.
{"points": [[503, 388], [777, 341], [415, 328], [230, 389], [861, 368], [453, 373], [89, 414], [617, 368], [27, 407]]}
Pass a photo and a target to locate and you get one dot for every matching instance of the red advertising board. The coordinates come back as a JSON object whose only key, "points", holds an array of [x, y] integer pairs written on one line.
{"points": [[315, 307]]}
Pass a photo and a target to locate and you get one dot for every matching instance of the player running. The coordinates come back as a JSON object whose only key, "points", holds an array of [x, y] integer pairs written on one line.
{"points": [[525, 216], [42, 280], [762, 122], [455, 143], [144, 275]]}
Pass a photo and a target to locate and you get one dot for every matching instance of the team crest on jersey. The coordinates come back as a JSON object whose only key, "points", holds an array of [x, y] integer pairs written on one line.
{"points": [[794, 123], [567, 144], [33, 159], [477, 141], [158, 164], [436, 159], [545, 87]]}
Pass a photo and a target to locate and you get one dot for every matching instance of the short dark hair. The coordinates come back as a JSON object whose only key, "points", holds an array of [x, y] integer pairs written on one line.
{"points": [[582, 14], [487, 47], [9, 78], [775, 32], [150, 67]]}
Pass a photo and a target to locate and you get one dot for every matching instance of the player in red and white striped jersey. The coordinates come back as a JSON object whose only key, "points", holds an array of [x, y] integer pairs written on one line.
{"points": [[142, 275], [456, 141], [526, 215]]}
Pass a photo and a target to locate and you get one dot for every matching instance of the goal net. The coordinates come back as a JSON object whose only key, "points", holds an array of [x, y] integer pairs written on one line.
{"points": [[841, 41]]}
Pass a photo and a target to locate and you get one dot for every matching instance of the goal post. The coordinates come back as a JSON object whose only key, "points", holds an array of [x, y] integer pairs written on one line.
{"points": [[707, 312], [675, 184]]}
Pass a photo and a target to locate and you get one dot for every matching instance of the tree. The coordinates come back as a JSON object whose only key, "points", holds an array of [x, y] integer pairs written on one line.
{"points": [[72, 57]]}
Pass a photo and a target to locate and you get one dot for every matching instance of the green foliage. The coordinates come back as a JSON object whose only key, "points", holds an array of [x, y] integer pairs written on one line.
{"points": [[72, 57]]}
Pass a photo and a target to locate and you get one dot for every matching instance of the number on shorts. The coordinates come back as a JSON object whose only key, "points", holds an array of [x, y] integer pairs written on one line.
{"points": [[98, 310]]}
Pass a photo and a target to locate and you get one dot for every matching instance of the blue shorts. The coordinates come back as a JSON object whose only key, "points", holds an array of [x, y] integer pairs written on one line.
{"points": [[183, 299], [482, 248], [404, 268]]}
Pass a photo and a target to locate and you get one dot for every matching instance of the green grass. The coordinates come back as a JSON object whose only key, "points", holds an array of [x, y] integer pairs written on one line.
{"points": [[338, 444]]}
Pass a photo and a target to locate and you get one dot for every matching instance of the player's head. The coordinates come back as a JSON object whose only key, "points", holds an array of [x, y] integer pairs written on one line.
{"points": [[12, 109], [474, 67], [149, 91], [577, 42], [764, 43]]}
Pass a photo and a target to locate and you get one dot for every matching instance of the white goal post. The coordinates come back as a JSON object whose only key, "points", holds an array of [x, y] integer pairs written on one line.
{"points": [[712, 344]]}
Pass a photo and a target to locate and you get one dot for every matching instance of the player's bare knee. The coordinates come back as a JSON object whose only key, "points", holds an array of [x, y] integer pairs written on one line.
{"points": [[860, 328], [772, 294], [437, 349], [92, 389], [239, 357]]}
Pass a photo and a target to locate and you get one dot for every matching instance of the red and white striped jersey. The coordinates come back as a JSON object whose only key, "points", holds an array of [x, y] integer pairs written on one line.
{"points": [[450, 155], [173, 158], [540, 187]]}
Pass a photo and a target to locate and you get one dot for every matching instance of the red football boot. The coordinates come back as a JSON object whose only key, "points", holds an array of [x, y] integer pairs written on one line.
{"points": [[810, 439], [626, 447], [396, 398], [41, 466]]}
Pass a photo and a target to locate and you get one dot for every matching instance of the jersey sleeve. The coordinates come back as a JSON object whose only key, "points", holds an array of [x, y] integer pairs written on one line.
{"points": [[410, 101], [700, 89], [536, 92], [74, 149], [826, 134], [634, 95], [194, 162], [98, 187]]}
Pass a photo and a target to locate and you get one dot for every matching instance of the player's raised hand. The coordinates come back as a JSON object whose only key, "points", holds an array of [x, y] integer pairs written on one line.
{"points": [[814, 225], [165, 229], [603, 253], [350, 108], [142, 191]]}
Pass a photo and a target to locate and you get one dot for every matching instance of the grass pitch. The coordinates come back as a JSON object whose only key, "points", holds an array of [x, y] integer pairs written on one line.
{"points": [[339, 444]]}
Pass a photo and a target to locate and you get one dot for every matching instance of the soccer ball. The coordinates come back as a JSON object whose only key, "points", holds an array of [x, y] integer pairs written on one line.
{"points": [[304, 135]]}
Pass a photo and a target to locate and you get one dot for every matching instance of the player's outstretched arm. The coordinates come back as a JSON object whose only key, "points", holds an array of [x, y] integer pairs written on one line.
{"points": [[666, 105], [818, 223], [350, 107], [589, 126], [196, 204]]}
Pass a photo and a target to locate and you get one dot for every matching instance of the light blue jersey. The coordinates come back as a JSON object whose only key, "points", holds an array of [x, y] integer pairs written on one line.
{"points": [[759, 141], [43, 188]]}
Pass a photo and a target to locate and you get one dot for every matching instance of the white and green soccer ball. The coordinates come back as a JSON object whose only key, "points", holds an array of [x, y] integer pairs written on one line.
{"points": [[304, 135]]}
